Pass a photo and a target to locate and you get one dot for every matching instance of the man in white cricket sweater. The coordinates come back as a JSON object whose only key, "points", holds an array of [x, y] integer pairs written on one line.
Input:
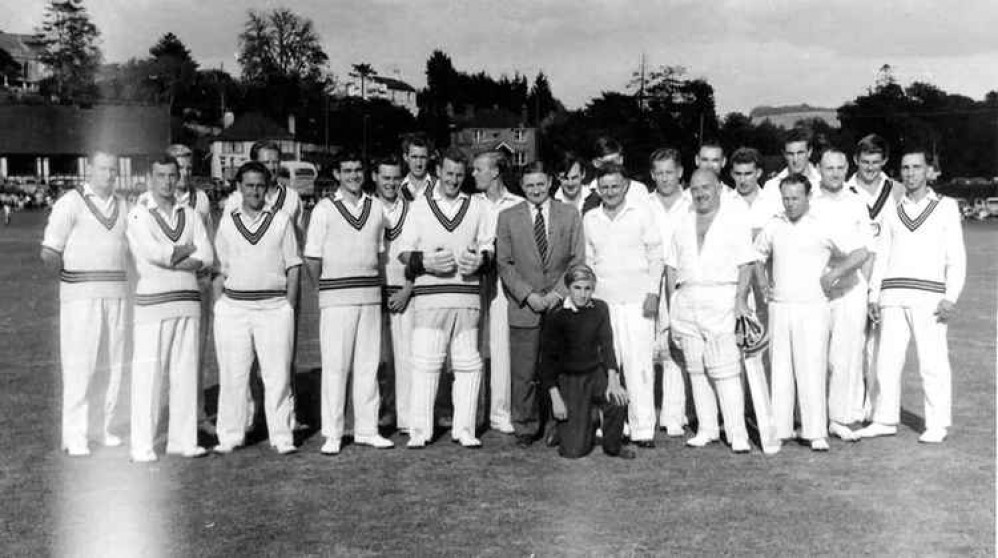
{"points": [[387, 175], [624, 248], [341, 249], [84, 241], [917, 279], [170, 245], [443, 247], [257, 282]]}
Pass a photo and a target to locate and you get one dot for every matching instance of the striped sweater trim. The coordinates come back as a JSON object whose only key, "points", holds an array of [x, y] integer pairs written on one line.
{"points": [[395, 231], [282, 194], [449, 224], [355, 222], [174, 233], [253, 295], [913, 224], [881, 201], [446, 288], [152, 299], [107, 221], [255, 236], [338, 283], [913, 283], [68, 276]]}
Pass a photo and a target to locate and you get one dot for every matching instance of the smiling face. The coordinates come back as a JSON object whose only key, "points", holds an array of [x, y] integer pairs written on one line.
{"points": [[581, 291], [253, 188], [869, 166], [705, 191], [387, 180], [666, 174], [350, 176], [711, 158], [451, 178], [914, 172], [536, 187], [571, 181], [612, 190]]}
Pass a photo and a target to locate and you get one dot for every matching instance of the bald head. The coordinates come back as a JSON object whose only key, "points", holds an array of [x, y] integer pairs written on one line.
{"points": [[704, 188]]}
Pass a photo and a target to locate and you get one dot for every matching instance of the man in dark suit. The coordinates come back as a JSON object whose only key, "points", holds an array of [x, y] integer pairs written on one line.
{"points": [[536, 242]]}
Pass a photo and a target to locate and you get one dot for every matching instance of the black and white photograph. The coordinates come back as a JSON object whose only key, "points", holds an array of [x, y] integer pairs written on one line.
{"points": [[570, 278]]}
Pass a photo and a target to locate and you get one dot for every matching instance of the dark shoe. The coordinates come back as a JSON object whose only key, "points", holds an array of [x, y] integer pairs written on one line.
{"points": [[553, 438], [626, 453], [645, 444], [523, 441]]}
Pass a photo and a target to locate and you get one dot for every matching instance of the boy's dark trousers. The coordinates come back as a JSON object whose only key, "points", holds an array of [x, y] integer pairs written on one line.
{"points": [[581, 394]]}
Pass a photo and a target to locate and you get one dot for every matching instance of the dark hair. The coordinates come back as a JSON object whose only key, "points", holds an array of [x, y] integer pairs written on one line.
{"points": [[665, 154], [713, 143], [388, 161], [263, 145], [415, 140], [454, 155], [533, 167], [796, 178], [610, 168], [746, 155], [351, 156], [795, 135], [915, 148], [164, 160], [605, 145], [252, 166], [872, 144], [568, 160]]}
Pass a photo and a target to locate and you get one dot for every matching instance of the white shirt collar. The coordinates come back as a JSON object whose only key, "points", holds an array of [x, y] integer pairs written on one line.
{"points": [[570, 304]]}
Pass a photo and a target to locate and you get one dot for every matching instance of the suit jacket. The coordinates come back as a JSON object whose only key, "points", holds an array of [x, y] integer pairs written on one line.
{"points": [[520, 267]]}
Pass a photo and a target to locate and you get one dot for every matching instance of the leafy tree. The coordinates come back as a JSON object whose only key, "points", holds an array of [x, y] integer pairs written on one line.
{"points": [[172, 68], [70, 51], [280, 46]]}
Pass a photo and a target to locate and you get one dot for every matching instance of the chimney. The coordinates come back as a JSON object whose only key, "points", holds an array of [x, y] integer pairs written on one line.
{"points": [[291, 124]]}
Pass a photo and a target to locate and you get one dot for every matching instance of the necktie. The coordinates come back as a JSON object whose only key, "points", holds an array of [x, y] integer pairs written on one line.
{"points": [[540, 234]]}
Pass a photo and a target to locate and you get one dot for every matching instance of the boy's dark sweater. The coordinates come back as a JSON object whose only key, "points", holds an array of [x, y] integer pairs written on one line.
{"points": [[576, 341]]}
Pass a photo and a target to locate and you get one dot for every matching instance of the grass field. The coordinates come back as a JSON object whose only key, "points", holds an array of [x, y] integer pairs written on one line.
{"points": [[878, 497]]}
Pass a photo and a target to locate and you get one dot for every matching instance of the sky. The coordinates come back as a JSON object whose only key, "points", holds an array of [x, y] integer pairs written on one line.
{"points": [[754, 52]]}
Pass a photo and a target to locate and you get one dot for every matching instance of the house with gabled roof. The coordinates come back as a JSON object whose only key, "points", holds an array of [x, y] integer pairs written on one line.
{"points": [[481, 130]]}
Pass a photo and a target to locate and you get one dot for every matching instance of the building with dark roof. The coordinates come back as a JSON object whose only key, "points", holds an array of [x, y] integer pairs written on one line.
{"points": [[26, 50], [392, 89], [231, 148], [44, 141], [478, 131]]}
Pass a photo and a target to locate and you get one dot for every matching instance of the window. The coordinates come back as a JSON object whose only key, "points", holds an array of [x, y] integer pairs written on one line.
{"points": [[234, 147], [479, 136], [520, 158], [519, 135]]}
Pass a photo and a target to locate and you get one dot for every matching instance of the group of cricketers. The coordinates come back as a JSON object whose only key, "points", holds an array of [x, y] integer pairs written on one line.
{"points": [[801, 294]]}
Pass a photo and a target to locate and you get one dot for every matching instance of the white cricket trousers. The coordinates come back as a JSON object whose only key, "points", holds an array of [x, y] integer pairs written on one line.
{"points": [[897, 325], [500, 381], [633, 339], [165, 350], [846, 385], [673, 412], [703, 324], [438, 331], [242, 330], [86, 327], [401, 341], [798, 337], [350, 341]]}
